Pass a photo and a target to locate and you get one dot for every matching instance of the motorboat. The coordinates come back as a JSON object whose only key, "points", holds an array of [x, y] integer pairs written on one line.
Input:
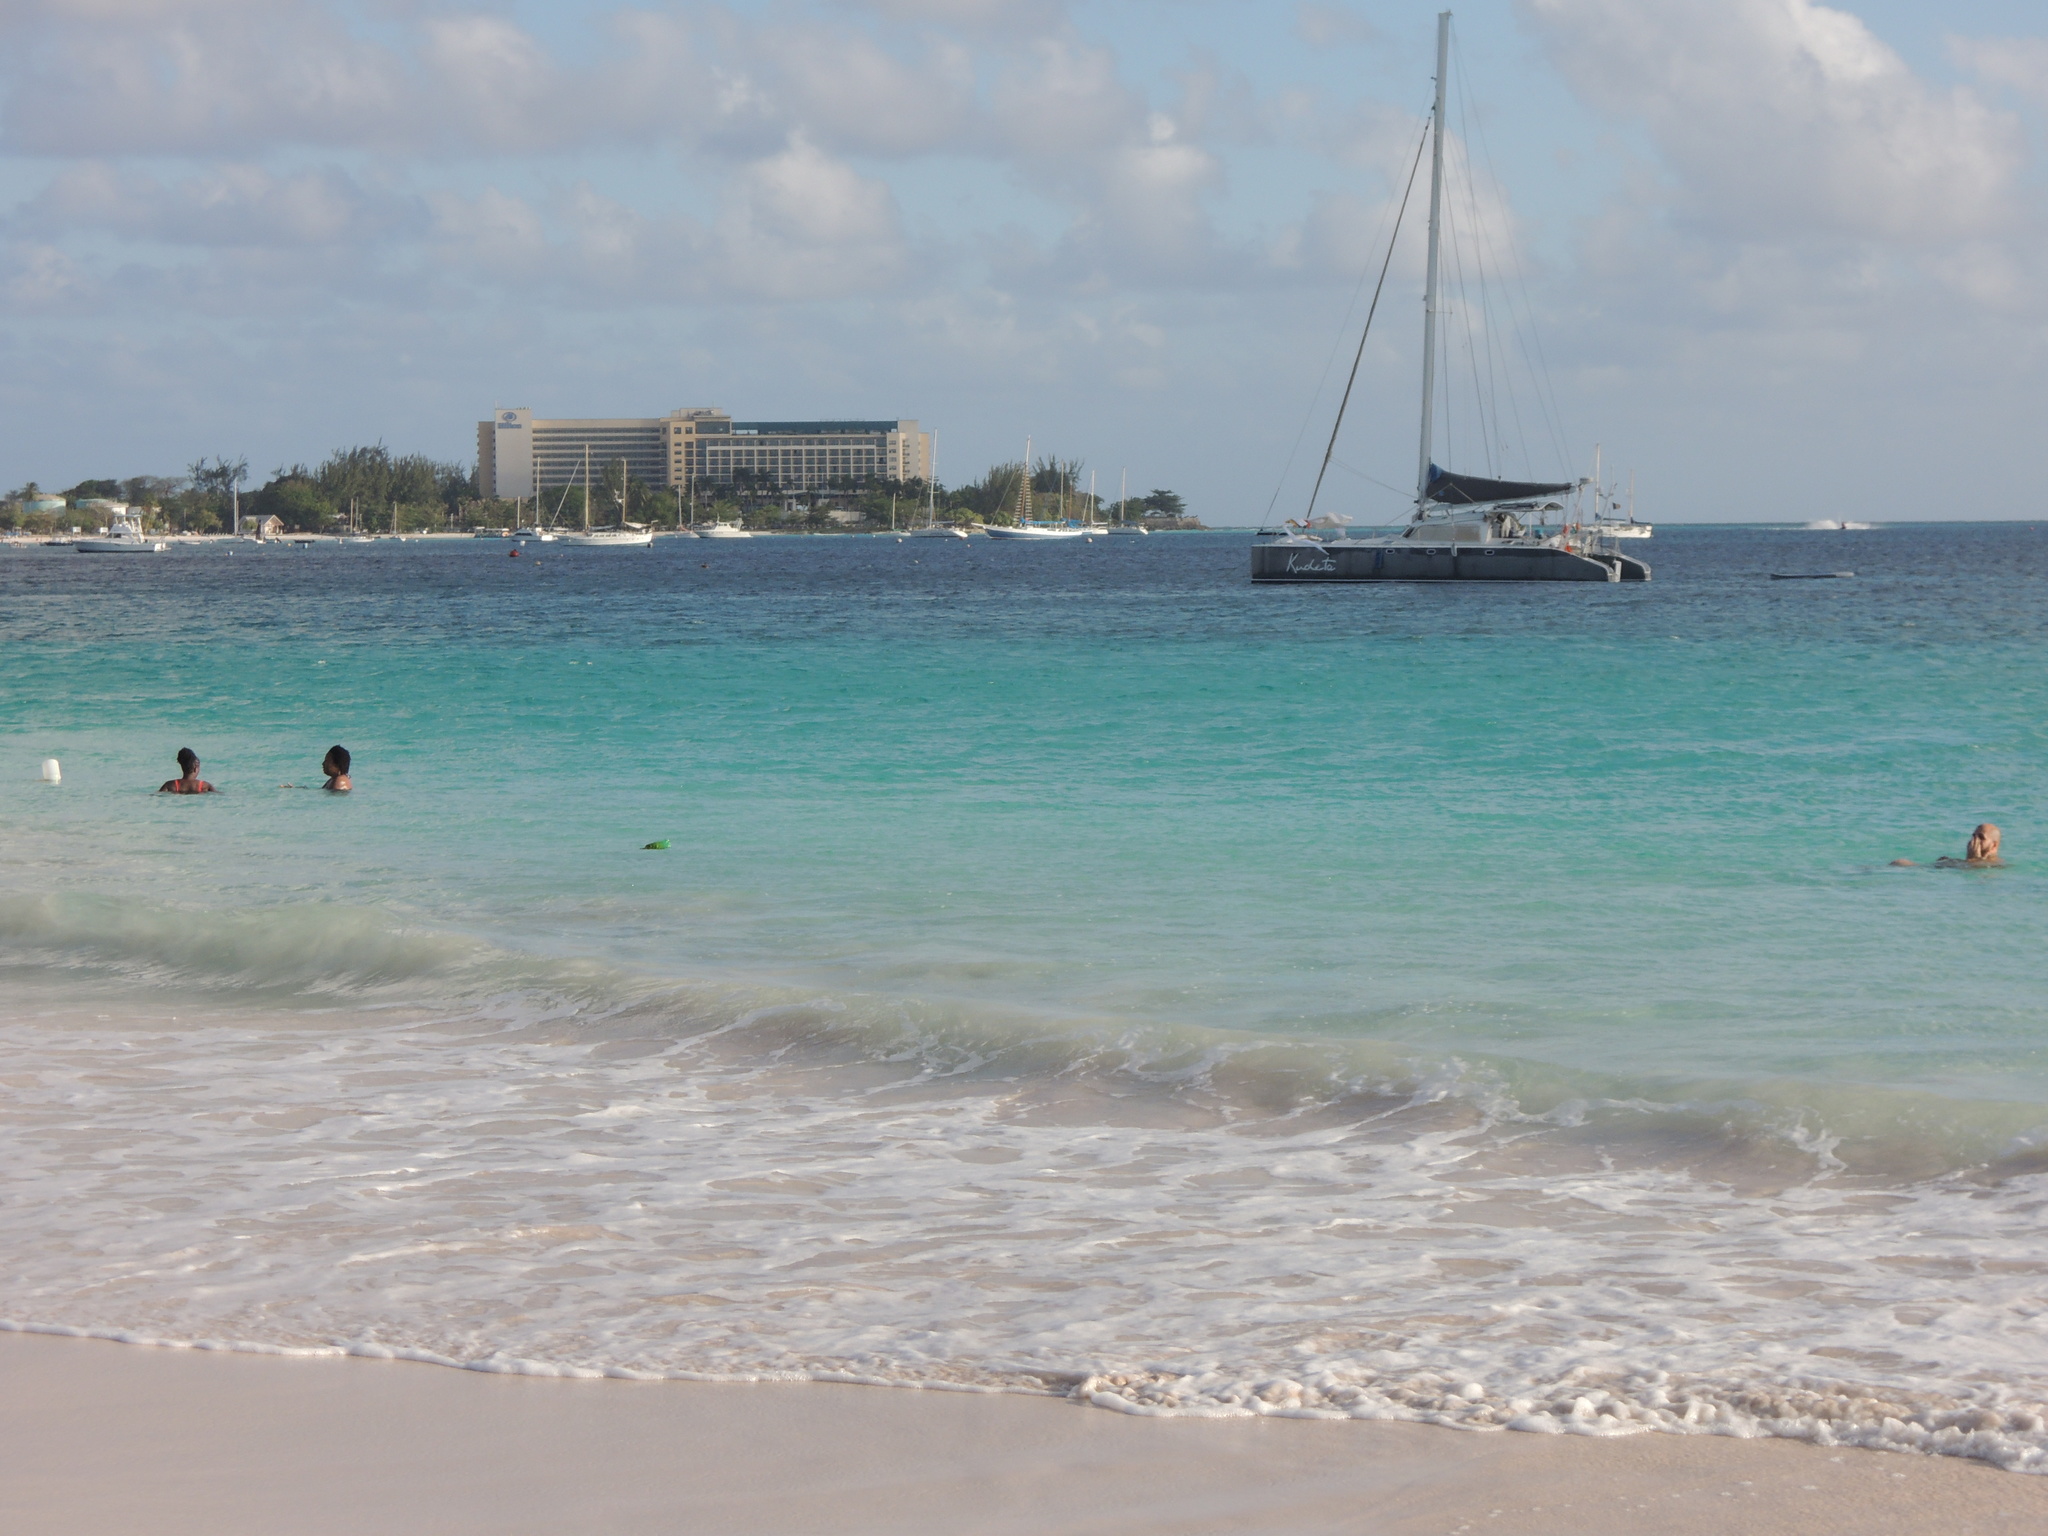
{"points": [[124, 537], [937, 531], [723, 531]]}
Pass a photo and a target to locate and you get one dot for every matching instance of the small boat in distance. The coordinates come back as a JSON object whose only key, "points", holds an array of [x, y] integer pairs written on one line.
{"points": [[931, 527], [124, 537], [1024, 528], [1030, 531], [622, 535], [722, 531]]}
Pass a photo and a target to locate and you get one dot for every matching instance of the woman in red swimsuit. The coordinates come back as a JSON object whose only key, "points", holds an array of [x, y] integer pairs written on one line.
{"points": [[191, 783]]}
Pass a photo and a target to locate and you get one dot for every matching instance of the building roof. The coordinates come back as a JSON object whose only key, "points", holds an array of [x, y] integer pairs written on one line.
{"points": [[814, 426]]}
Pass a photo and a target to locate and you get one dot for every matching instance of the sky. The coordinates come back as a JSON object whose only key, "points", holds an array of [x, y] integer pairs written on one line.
{"points": [[1779, 259]]}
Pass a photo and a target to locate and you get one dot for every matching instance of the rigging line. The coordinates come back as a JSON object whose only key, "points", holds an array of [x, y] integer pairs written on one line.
{"points": [[1359, 356], [1495, 431], [1464, 313], [1349, 310], [1401, 491], [1533, 358], [1505, 370]]}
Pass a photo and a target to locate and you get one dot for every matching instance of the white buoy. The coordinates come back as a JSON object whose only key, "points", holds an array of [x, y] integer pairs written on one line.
{"points": [[52, 774]]}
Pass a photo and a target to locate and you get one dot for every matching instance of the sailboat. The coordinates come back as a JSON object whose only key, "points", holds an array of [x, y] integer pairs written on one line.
{"points": [[1123, 498], [931, 527], [1024, 528], [620, 537], [1607, 523], [1464, 527]]}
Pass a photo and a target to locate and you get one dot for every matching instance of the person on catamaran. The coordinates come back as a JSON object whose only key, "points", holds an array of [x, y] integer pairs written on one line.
{"points": [[191, 783], [1980, 852]]}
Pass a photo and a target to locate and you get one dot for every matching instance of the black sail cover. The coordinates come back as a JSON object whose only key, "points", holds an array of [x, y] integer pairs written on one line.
{"points": [[1470, 491]]}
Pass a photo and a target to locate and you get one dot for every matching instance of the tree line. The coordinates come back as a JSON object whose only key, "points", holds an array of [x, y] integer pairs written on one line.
{"points": [[372, 489]]}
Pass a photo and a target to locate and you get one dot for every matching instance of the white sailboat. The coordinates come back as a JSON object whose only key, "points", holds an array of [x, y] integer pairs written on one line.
{"points": [[931, 527], [1024, 528], [1605, 523], [1464, 527], [620, 537], [1123, 499]]}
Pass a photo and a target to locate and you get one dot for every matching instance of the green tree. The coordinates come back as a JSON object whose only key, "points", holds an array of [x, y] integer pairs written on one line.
{"points": [[295, 499], [1165, 503]]}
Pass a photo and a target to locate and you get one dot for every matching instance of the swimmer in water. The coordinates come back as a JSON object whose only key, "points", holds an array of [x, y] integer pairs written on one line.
{"points": [[335, 766], [1979, 853], [191, 783]]}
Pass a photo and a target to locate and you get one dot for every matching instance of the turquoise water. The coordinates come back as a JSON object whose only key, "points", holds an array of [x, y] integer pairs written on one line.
{"points": [[1079, 841]]}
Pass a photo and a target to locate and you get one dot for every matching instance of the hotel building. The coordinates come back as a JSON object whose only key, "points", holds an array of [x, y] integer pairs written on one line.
{"points": [[519, 455]]}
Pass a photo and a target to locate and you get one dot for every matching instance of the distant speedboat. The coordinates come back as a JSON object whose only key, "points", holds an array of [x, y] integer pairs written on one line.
{"points": [[124, 538], [723, 531], [1616, 528]]}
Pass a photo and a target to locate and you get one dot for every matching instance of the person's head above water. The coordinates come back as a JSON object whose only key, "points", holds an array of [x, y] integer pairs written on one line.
{"points": [[190, 783], [335, 766], [1983, 845]]}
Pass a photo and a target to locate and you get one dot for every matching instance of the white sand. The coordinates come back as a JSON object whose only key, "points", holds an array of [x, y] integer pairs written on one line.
{"points": [[105, 1438]]}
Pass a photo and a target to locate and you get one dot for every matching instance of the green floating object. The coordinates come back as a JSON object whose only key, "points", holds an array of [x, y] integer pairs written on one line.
{"points": [[662, 843]]}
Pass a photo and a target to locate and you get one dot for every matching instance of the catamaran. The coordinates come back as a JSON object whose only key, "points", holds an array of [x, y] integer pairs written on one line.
{"points": [[1464, 527]]}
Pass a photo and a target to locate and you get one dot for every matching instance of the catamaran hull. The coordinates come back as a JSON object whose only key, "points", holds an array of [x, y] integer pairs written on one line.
{"points": [[1438, 562]]}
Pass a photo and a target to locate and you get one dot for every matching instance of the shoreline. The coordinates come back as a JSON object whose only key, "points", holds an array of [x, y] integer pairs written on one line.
{"points": [[105, 1436]]}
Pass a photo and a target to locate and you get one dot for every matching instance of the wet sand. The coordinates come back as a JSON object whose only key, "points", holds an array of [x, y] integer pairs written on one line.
{"points": [[107, 1437]]}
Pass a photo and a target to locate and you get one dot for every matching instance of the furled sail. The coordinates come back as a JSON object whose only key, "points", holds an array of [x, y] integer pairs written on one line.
{"points": [[1452, 490]]}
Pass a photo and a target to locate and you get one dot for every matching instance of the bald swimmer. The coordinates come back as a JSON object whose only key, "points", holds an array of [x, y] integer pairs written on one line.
{"points": [[1980, 853]]}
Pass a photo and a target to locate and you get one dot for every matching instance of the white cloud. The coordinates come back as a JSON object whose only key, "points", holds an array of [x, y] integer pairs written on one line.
{"points": [[1784, 118], [1334, 26], [227, 205], [801, 225], [2018, 62]]}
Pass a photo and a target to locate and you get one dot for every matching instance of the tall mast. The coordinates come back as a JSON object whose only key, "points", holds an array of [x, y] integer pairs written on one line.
{"points": [[1024, 496], [1436, 212], [586, 485]]}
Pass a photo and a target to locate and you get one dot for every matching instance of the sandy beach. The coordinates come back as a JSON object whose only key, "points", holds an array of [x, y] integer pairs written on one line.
{"points": [[105, 1437]]}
